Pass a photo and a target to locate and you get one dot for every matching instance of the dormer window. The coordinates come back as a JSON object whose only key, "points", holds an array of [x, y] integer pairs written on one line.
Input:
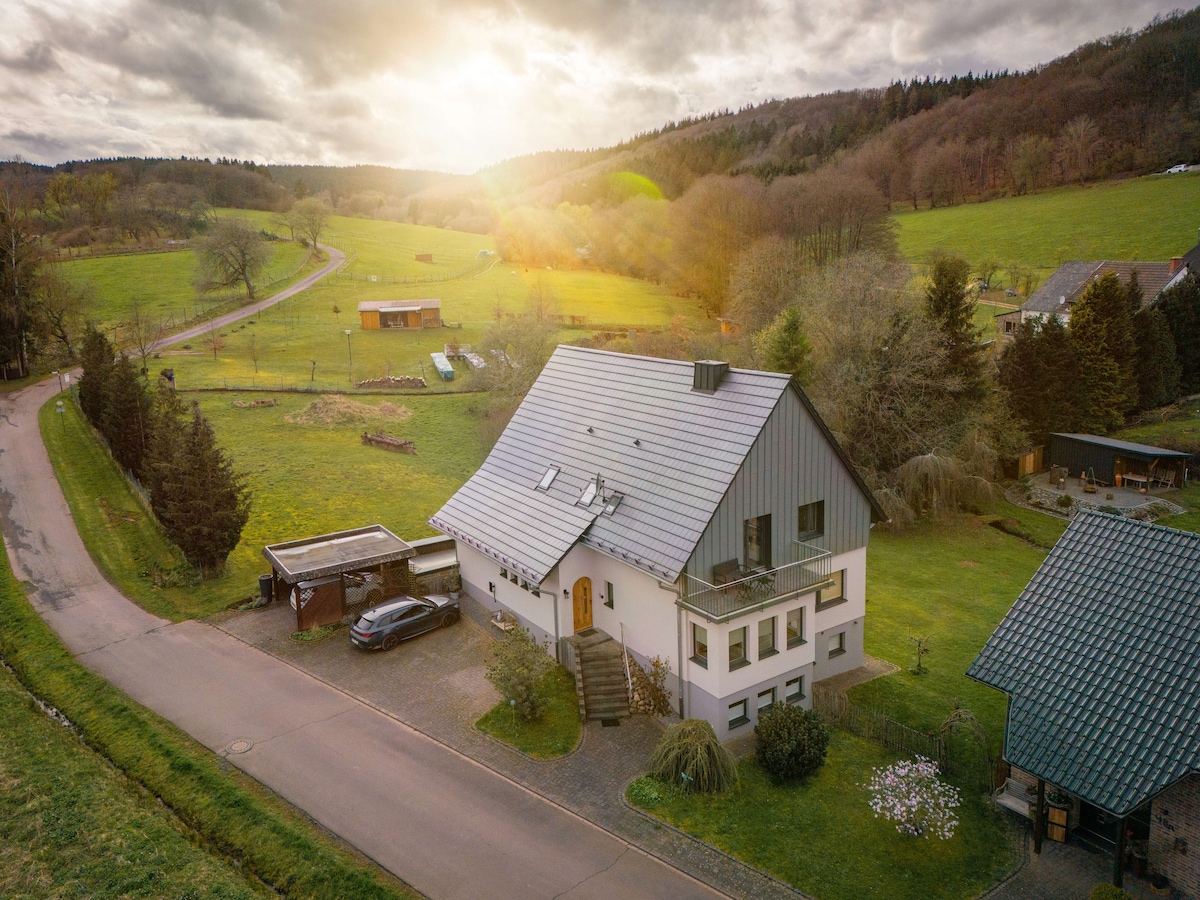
{"points": [[548, 478], [613, 502]]}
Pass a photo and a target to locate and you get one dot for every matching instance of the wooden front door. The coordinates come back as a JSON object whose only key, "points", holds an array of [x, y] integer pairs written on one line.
{"points": [[581, 594]]}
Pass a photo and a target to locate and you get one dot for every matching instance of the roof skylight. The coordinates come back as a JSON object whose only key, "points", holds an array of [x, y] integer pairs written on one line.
{"points": [[548, 478], [613, 502], [589, 493]]}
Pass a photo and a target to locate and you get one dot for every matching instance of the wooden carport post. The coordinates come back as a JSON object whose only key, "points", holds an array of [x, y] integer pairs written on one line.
{"points": [[1038, 816], [1119, 854]]}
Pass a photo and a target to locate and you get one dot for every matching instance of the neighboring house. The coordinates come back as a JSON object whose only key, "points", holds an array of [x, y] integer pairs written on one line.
{"points": [[1068, 282], [376, 314], [1100, 659], [707, 510]]}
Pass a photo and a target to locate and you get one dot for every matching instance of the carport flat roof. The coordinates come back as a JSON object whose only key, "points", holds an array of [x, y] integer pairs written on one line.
{"points": [[1124, 446], [332, 554]]}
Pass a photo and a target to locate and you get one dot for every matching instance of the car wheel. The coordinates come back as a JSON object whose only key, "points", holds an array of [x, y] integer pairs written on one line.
{"points": [[390, 642], [449, 619]]}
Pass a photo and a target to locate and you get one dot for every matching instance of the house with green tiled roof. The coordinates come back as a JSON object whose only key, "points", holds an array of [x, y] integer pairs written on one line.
{"points": [[1100, 659]]}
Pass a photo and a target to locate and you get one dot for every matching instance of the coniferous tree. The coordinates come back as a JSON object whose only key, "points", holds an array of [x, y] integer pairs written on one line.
{"points": [[168, 424], [1102, 332], [96, 356], [20, 274], [1157, 365], [1037, 372], [1181, 306], [783, 347], [952, 311], [127, 416], [206, 504]]}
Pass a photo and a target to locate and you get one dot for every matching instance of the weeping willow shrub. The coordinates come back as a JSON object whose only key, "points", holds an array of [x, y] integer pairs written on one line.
{"points": [[899, 513], [934, 485], [690, 757]]}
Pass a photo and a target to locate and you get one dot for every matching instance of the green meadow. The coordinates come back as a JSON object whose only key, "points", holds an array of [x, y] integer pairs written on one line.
{"points": [[1149, 218], [161, 284]]}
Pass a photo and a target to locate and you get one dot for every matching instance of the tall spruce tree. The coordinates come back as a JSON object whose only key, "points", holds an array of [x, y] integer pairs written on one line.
{"points": [[1037, 373], [96, 355], [126, 422], [1158, 369], [205, 502], [1181, 306], [952, 310], [1102, 332], [168, 426], [783, 347]]}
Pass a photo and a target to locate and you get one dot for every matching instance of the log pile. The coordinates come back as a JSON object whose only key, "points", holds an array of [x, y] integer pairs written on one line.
{"points": [[387, 442]]}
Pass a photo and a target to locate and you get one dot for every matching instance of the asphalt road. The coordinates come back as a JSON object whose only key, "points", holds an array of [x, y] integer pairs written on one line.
{"points": [[448, 826]]}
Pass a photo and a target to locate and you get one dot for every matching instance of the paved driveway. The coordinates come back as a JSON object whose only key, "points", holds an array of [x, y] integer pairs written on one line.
{"points": [[448, 826]]}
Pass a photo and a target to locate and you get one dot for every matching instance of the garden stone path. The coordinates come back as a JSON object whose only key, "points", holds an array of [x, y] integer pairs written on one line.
{"points": [[436, 684]]}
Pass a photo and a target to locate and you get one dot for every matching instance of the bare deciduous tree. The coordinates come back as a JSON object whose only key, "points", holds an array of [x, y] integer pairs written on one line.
{"points": [[232, 253]]}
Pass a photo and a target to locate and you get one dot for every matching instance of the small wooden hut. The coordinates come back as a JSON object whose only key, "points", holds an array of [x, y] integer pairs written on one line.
{"points": [[407, 314]]}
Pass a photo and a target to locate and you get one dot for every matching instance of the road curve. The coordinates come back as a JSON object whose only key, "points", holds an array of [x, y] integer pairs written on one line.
{"points": [[445, 824]]}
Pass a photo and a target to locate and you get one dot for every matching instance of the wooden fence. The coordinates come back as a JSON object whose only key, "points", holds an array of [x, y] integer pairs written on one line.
{"points": [[835, 707]]}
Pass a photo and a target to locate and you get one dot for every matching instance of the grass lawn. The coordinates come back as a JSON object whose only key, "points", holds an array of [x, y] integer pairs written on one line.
{"points": [[821, 836], [557, 732], [305, 480], [161, 283], [1150, 218], [955, 582], [290, 337], [71, 825]]}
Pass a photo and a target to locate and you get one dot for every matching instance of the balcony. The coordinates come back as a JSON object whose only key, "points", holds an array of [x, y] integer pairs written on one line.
{"points": [[754, 589]]}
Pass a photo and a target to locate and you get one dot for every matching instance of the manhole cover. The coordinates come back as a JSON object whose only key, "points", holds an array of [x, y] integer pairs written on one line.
{"points": [[610, 723], [241, 745]]}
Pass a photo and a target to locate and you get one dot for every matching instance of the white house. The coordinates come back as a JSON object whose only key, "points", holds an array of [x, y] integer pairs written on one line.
{"points": [[700, 513]]}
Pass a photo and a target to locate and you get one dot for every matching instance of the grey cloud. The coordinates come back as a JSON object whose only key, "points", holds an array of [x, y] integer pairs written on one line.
{"points": [[37, 57]]}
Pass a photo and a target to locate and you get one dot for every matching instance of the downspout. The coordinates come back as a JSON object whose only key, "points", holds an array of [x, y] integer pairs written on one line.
{"points": [[685, 681], [557, 639]]}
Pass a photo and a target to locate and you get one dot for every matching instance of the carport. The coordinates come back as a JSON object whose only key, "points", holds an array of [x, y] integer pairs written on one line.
{"points": [[324, 576]]}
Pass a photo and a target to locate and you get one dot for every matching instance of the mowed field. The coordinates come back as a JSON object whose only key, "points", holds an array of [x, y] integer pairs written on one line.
{"points": [[302, 342], [161, 284], [1149, 218]]}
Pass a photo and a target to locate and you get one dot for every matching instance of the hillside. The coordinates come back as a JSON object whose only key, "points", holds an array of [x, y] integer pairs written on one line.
{"points": [[1119, 105]]}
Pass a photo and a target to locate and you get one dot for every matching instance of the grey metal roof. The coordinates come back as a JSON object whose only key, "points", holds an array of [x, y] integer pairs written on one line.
{"points": [[1100, 657], [1125, 446], [1071, 279], [1063, 282], [634, 421], [332, 554], [368, 305]]}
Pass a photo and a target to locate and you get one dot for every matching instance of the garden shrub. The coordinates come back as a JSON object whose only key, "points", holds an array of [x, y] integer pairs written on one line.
{"points": [[910, 794], [516, 671], [1105, 891], [790, 741], [690, 757], [645, 791]]}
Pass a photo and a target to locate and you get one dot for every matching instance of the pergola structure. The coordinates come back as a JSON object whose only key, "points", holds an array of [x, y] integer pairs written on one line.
{"points": [[323, 575]]}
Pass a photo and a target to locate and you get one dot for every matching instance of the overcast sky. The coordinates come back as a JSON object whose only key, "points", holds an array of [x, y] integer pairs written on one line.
{"points": [[459, 84]]}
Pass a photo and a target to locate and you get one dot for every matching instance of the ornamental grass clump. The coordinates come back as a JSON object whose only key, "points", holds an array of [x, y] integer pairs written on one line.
{"points": [[910, 794], [690, 757], [790, 742]]}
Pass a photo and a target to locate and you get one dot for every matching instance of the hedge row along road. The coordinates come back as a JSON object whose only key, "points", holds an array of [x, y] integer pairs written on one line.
{"points": [[446, 825]]}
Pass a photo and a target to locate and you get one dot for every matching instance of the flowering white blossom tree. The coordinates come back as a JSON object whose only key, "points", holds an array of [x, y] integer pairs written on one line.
{"points": [[911, 795]]}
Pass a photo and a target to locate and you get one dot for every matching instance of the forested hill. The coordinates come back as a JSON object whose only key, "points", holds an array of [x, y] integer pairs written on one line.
{"points": [[1125, 104]]}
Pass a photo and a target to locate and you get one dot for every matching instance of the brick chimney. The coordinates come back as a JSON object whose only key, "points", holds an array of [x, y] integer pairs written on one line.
{"points": [[1176, 264]]}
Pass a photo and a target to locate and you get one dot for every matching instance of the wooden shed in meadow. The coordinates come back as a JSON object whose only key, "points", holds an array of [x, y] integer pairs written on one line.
{"points": [[410, 314]]}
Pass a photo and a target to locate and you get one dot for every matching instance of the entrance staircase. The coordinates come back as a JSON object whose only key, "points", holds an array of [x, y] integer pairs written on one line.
{"points": [[600, 679]]}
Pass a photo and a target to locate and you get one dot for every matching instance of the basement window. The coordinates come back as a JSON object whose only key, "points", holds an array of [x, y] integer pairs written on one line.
{"points": [[548, 478]]}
